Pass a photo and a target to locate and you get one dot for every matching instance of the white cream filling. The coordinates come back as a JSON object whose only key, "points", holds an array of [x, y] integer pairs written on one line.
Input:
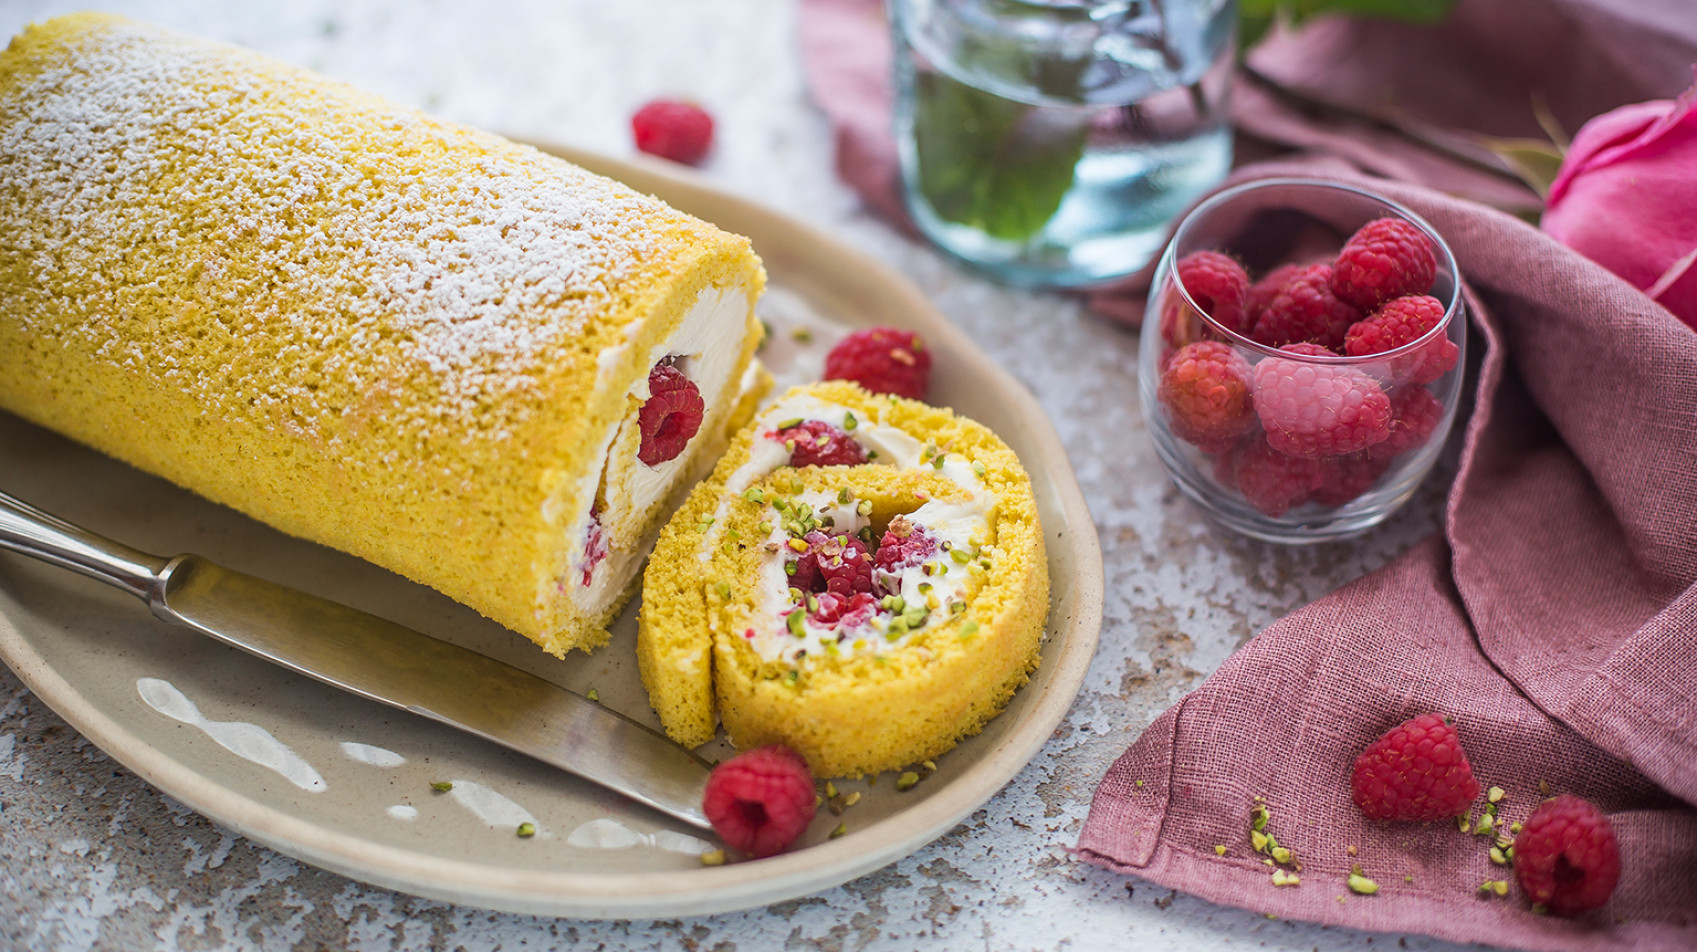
{"points": [[706, 346]]}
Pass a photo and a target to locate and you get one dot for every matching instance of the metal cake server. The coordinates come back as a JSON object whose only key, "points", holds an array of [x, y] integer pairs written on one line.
{"points": [[380, 660]]}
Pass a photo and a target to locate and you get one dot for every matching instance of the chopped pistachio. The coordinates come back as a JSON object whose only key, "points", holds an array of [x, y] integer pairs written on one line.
{"points": [[791, 422], [1259, 840], [851, 799], [1282, 878], [1282, 854], [839, 830], [1495, 794], [906, 781], [1360, 884], [937, 461], [442, 786], [865, 507], [1514, 828], [1267, 862], [527, 829], [802, 335], [753, 495], [723, 589], [830, 789], [1500, 887], [817, 800], [1351, 850], [970, 627], [765, 527], [1463, 823], [1220, 849], [929, 765], [795, 621], [713, 858], [789, 568], [798, 545], [1544, 787], [812, 605], [960, 556], [979, 468], [1258, 817], [849, 422], [1487, 826], [593, 695], [1498, 856]]}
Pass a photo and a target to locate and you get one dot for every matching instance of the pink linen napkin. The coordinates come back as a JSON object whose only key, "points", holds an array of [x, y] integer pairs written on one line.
{"points": [[1555, 616]]}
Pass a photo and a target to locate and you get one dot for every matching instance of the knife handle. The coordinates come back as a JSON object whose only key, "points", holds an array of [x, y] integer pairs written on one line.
{"points": [[29, 531]]}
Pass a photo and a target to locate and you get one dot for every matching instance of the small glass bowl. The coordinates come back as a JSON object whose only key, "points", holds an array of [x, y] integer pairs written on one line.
{"points": [[1310, 480]]}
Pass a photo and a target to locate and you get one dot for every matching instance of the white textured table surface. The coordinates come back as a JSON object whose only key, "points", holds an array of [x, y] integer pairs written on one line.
{"points": [[91, 857]]}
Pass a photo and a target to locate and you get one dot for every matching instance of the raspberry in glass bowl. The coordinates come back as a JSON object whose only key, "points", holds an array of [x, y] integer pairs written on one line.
{"points": [[1302, 360]]}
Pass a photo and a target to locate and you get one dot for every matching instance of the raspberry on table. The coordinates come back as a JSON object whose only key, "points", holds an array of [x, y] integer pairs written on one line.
{"points": [[883, 360], [1566, 856], [1218, 285], [838, 564], [1416, 771], [818, 443], [1402, 321], [1415, 415], [1206, 390], [761, 800], [670, 417], [1385, 258], [1271, 481], [680, 131], [1304, 310], [1313, 410]]}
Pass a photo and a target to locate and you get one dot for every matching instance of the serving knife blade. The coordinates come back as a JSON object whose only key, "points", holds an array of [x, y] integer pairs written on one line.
{"points": [[380, 660]]}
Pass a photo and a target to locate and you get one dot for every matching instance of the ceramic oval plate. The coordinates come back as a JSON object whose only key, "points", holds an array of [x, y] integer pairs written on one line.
{"points": [[347, 785]]}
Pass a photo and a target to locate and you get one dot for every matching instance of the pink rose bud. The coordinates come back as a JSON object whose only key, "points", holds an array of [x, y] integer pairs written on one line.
{"points": [[1626, 198]]}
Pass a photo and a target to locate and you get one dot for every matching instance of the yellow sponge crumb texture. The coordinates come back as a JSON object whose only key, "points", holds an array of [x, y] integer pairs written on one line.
{"points": [[366, 327], [854, 713]]}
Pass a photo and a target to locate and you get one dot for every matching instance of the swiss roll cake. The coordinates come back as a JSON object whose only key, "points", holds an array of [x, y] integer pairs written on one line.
{"points": [[474, 364], [862, 579]]}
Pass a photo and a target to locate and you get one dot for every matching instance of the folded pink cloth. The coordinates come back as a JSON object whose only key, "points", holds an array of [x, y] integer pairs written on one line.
{"points": [[1555, 617]]}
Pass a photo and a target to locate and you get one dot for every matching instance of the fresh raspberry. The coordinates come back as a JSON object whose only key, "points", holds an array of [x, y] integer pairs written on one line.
{"points": [[1311, 410], [1344, 478], [1566, 856], [883, 360], [1385, 258], [1415, 415], [1305, 310], [1206, 390], [760, 801], [1416, 771], [1307, 349], [818, 443], [904, 545], [671, 415], [1263, 290], [838, 564], [1273, 482], [680, 131], [1218, 285], [1401, 321]]}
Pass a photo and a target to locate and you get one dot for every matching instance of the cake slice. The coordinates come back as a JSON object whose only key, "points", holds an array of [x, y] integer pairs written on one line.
{"points": [[418, 343], [862, 579]]}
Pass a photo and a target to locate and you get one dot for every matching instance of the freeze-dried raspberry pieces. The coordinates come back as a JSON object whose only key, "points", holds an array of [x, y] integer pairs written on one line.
{"points": [[761, 800], [1385, 258], [670, 417], [1206, 390], [817, 443], [904, 545], [883, 360], [1566, 856], [1272, 482], [1310, 409], [1417, 770], [1415, 415], [1402, 321], [1218, 285], [838, 564], [1305, 310]]}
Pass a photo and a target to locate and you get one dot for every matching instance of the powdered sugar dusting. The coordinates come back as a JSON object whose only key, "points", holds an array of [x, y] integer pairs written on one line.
{"points": [[223, 197]]}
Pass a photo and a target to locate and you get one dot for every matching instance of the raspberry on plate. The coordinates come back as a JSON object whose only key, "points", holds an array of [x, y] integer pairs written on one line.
{"points": [[1272, 482], [1206, 390], [1566, 856], [1415, 415], [1312, 410], [760, 801], [1385, 258], [1415, 771], [883, 360], [1402, 321], [680, 131], [670, 417], [1304, 310], [818, 443]]}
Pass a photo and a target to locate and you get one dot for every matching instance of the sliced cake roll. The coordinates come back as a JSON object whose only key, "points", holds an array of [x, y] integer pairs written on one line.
{"points": [[861, 579], [477, 365]]}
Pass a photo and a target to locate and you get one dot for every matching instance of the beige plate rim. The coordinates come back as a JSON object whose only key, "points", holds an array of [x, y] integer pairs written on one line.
{"points": [[801, 256]]}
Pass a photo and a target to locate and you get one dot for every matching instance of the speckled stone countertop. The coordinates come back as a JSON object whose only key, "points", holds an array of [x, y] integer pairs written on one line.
{"points": [[92, 857]]}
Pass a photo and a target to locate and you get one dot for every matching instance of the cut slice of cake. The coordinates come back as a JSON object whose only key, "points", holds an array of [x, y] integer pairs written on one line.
{"points": [[418, 343], [862, 579]]}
